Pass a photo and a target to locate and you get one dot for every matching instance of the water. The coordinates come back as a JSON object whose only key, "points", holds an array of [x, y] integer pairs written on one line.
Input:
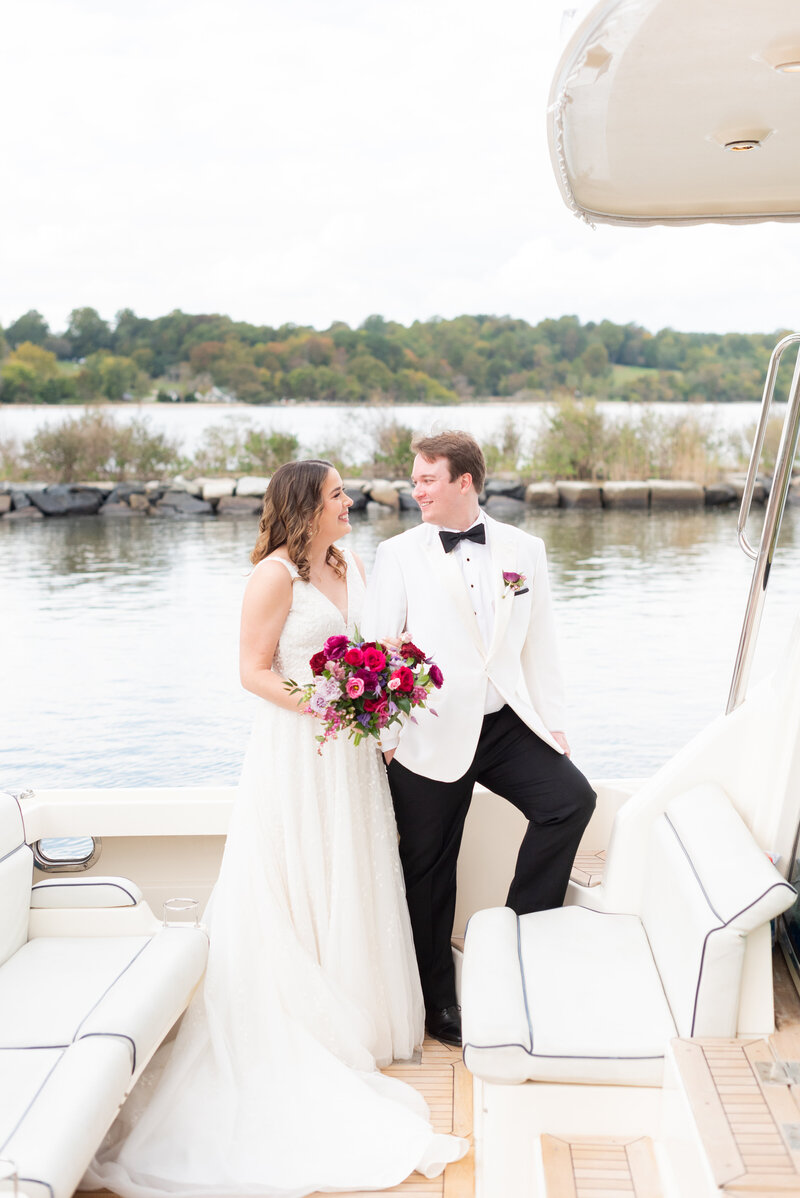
{"points": [[118, 639]]}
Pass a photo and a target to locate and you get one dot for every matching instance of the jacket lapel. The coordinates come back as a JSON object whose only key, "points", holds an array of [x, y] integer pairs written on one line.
{"points": [[451, 580], [504, 557]]}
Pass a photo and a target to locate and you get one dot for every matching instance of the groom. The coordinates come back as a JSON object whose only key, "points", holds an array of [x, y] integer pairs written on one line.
{"points": [[473, 593]]}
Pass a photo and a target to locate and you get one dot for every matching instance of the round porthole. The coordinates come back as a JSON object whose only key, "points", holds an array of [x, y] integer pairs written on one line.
{"points": [[66, 854]]}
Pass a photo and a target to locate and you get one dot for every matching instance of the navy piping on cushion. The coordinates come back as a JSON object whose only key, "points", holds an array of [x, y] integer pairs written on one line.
{"points": [[685, 851], [524, 987], [710, 932], [21, 1119], [562, 1056], [110, 986], [723, 923], [21, 845], [37, 1181], [21, 820], [117, 1036], [79, 884]]}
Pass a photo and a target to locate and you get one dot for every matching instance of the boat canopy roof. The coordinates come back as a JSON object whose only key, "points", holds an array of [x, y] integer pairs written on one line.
{"points": [[680, 112]]}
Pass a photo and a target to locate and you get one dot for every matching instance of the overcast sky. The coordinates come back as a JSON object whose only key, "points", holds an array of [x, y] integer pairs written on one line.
{"points": [[314, 160]]}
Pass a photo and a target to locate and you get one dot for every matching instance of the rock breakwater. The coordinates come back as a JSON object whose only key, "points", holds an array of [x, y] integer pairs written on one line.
{"points": [[182, 498]]}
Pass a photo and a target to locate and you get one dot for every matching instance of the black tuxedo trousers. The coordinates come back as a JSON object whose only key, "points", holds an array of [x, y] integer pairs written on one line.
{"points": [[552, 793]]}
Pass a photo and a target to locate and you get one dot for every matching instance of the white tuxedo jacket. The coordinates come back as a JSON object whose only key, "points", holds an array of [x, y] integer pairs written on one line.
{"points": [[415, 585]]}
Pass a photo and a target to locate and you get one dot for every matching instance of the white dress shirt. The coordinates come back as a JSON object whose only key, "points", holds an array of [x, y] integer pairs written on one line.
{"points": [[475, 562]]}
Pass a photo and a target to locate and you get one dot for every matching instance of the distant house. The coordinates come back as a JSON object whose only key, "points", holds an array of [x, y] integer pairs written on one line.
{"points": [[216, 395]]}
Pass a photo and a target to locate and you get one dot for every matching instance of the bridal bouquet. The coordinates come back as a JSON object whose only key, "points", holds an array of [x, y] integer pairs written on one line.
{"points": [[361, 687]]}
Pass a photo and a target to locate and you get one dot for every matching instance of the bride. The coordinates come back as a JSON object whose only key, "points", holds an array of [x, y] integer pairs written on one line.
{"points": [[271, 1085]]}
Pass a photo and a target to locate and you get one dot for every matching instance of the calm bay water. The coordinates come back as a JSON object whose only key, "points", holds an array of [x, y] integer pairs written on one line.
{"points": [[118, 639]]}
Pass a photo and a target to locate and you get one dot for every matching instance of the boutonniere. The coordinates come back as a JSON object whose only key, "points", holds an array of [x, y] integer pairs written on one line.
{"points": [[513, 583]]}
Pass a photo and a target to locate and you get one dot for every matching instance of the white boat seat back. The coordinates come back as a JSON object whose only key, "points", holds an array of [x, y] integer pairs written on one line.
{"points": [[577, 995], [16, 877], [707, 886]]}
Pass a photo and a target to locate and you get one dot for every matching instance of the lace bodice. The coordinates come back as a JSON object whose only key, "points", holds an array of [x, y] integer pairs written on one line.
{"points": [[312, 619]]}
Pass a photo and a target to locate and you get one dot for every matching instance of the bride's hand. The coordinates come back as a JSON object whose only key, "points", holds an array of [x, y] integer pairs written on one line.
{"points": [[394, 642]]}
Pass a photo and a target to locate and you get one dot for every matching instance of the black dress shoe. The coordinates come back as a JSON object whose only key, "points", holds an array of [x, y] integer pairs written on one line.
{"points": [[444, 1024]]}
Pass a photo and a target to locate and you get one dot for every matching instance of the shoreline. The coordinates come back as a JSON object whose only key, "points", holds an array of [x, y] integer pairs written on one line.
{"points": [[503, 496]]}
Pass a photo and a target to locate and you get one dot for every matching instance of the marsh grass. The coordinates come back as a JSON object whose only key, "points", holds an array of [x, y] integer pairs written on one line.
{"points": [[232, 448], [12, 463], [506, 452], [579, 442], [576, 442], [94, 446]]}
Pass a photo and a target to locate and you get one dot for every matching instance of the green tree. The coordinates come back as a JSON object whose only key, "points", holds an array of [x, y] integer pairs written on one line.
{"points": [[31, 327], [87, 332], [29, 374], [595, 360], [108, 376]]}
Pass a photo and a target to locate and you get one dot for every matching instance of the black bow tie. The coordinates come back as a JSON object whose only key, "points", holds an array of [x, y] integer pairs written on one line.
{"points": [[450, 539]]}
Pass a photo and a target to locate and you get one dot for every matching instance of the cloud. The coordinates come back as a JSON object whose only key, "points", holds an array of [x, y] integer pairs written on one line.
{"points": [[324, 160]]}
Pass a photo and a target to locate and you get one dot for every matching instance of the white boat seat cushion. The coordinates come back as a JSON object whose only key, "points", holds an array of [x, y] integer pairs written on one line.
{"points": [[707, 885], [570, 995], [16, 876], [587, 996], [55, 1107], [91, 891], [56, 990]]}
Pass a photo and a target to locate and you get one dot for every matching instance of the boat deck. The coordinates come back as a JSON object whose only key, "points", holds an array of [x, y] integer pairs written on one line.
{"points": [[442, 1078]]}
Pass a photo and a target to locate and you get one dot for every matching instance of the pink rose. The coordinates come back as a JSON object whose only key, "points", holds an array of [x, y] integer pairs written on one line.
{"points": [[354, 687], [394, 683]]}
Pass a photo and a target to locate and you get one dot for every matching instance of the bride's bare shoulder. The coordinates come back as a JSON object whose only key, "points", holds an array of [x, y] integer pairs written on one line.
{"points": [[274, 574]]}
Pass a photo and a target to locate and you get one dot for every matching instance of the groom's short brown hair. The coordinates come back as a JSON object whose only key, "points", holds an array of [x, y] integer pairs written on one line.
{"points": [[464, 454]]}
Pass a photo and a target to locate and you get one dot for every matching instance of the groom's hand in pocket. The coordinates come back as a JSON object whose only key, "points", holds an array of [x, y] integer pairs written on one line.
{"points": [[388, 755]]}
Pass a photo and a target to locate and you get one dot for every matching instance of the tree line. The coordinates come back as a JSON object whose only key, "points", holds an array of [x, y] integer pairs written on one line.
{"points": [[434, 361]]}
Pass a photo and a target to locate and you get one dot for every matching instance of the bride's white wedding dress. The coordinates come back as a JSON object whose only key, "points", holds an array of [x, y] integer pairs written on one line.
{"points": [[270, 1086]]}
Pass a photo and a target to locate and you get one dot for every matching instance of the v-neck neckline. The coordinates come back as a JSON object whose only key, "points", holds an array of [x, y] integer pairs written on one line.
{"points": [[344, 614]]}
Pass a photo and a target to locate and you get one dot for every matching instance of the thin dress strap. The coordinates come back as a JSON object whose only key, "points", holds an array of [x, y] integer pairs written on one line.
{"points": [[290, 566]]}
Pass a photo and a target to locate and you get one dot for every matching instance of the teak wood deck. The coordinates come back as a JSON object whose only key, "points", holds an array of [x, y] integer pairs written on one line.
{"points": [[603, 1167], [442, 1079]]}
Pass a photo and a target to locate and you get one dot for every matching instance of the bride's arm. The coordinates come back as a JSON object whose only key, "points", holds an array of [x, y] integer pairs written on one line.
{"points": [[267, 599]]}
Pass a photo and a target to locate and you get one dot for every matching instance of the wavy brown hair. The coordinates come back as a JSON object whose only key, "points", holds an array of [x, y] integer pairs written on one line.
{"points": [[292, 506]]}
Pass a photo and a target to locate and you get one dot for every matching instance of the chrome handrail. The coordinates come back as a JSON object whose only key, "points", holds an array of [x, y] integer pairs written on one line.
{"points": [[776, 504]]}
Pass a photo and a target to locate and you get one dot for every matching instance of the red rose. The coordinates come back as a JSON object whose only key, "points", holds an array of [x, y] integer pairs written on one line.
{"points": [[376, 704], [317, 663], [410, 650], [406, 679], [354, 656], [374, 659]]}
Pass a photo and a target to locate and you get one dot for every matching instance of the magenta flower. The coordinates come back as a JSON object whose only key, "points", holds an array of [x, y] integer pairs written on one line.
{"points": [[374, 659], [335, 647], [513, 581]]}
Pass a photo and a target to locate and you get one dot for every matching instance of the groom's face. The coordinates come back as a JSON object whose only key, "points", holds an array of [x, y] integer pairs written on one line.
{"points": [[442, 500]]}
